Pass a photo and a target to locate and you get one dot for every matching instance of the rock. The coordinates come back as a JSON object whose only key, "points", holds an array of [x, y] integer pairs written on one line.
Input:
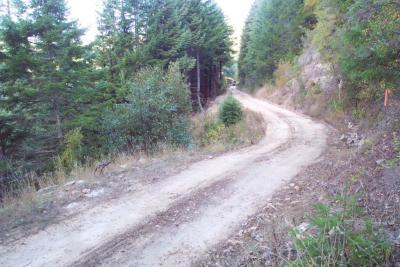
{"points": [[46, 190], [316, 72], [395, 238], [235, 242], [95, 193], [361, 143], [86, 191], [303, 227], [72, 205], [210, 157], [70, 183], [350, 125], [380, 161]]}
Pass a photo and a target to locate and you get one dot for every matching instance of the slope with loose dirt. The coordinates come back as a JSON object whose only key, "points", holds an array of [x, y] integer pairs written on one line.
{"points": [[175, 220]]}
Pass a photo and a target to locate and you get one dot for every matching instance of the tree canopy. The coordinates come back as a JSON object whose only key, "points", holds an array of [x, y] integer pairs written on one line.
{"points": [[149, 57], [272, 33]]}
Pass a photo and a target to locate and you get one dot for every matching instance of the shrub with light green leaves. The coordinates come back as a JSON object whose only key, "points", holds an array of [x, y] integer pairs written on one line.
{"points": [[156, 111], [340, 238], [72, 151], [230, 111]]}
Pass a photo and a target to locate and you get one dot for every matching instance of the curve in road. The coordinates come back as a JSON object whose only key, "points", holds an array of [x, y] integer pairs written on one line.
{"points": [[216, 195]]}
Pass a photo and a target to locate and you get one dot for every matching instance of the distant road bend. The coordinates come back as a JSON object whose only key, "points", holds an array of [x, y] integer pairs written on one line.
{"points": [[175, 221]]}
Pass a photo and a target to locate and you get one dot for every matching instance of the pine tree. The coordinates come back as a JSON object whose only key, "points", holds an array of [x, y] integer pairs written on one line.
{"points": [[44, 81], [273, 33]]}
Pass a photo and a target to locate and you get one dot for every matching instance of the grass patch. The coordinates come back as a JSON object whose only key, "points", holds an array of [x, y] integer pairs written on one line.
{"points": [[210, 134], [340, 237]]}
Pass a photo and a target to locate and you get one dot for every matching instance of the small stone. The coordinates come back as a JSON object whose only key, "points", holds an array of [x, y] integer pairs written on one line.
{"points": [[86, 191], [350, 125], [72, 205], [95, 193], [70, 183], [303, 227]]}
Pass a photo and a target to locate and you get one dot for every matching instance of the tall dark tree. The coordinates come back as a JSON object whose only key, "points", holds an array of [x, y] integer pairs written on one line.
{"points": [[273, 33], [44, 80], [135, 34]]}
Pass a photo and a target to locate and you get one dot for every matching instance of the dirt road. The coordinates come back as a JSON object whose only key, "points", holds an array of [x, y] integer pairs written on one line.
{"points": [[174, 221]]}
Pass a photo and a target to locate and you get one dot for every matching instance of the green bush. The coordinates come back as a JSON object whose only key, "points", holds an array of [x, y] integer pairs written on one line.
{"points": [[213, 132], [72, 151], [369, 57], [156, 110], [230, 111], [340, 238]]}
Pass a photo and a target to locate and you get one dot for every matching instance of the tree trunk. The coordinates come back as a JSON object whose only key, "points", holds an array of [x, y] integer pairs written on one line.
{"points": [[2, 154], [8, 9], [199, 83], [220, 73], [58, 120]]}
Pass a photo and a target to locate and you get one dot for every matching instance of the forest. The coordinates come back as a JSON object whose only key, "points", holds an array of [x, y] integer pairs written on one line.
{"points": [[361, 37], [64, 102]]}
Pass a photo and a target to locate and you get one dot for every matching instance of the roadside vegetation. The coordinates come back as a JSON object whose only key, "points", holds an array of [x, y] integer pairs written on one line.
{"points": [[358, 40], [227, 128], [65, 104], [342, 236]]}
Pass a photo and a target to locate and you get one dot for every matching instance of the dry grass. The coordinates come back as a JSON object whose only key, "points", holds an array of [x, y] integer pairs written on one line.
{"points": [[22, 197], [213, 136], [310, 5], [283, 74], [24, 202], [265, 92]]}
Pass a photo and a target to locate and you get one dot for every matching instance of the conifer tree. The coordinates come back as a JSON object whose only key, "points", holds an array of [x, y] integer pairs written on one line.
{"points": [[44, 79]]}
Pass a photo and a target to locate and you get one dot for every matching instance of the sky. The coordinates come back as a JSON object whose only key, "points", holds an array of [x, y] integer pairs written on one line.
{"points": [[85, 11]]}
